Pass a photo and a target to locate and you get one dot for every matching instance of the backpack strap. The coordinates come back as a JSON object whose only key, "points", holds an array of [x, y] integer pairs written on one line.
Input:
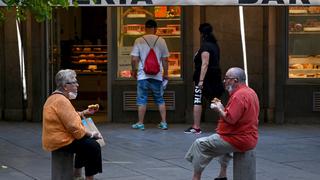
{"points": [[154, 44]]}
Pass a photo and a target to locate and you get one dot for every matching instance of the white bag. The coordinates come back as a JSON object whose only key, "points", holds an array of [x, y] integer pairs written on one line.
{"points": [[91, 127]]}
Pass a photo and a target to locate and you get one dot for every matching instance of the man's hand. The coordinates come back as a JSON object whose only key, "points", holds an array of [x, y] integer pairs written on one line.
{"points": [[216, 105], [134, 63], [134, 73], [220, 105]]}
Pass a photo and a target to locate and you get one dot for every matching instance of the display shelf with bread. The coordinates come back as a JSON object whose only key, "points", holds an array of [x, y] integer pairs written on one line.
{"points": [[303, 10], [89, 58], [304, 19], [304, 66], [132, 25], [303, 42], [174, 62]]}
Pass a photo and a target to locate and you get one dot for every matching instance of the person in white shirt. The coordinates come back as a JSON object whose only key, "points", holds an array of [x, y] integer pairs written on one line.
{"points": [[146, 82]]}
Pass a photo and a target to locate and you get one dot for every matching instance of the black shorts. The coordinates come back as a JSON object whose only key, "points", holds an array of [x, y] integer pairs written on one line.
{"points": [[87, 154], [197, 96]]}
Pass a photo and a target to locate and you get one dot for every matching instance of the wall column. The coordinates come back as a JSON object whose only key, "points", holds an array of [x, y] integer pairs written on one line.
{"points": [[192, 43], [2, 73], [39, 71], [13, 99], [269, 65]]}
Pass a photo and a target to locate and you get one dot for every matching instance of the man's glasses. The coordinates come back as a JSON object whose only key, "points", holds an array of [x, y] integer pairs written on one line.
{"points": [[227, 78]]}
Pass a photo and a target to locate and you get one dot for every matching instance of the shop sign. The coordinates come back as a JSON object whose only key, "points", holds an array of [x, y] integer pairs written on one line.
{"points": [[191, 2], [195, 2]]}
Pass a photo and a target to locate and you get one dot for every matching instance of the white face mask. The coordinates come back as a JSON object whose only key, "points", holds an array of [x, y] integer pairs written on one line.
{"points": [[229, 88], [72, 95]]}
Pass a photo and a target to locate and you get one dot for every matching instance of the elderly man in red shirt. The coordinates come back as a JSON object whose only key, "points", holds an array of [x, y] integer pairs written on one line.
{"points": [[237, 129]]}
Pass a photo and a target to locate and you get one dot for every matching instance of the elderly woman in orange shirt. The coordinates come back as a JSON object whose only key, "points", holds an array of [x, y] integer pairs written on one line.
{"points": [[63, 130]]}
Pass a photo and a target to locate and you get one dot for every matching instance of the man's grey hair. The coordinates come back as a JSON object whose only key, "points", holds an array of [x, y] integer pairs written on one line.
{"points": [[64, 76], [238, 73]]}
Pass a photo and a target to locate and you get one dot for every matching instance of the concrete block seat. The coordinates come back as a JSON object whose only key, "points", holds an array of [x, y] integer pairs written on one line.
{"points": [[62, 165], [244, 165]]}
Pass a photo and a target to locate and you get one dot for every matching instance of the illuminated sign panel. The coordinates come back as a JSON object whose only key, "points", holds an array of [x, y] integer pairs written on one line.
{"points": [[192, 2]]}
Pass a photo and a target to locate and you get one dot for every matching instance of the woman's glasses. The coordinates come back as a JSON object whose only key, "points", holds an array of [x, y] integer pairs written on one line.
{"points": [[72, 82]]}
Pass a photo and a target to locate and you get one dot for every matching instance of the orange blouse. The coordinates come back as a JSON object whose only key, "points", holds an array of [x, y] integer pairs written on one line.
{"points": [[61, 123]]}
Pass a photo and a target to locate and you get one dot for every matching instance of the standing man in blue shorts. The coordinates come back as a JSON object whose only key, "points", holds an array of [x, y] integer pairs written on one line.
{"points": [[148, 82]]}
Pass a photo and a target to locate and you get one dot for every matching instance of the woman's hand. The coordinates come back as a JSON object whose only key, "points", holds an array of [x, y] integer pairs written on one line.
{"points": [[91, 110], [200, 84], [96, 135], [86, 112]]}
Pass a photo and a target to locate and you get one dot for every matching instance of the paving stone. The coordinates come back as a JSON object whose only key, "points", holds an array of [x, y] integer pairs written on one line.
{"points": [[284, 152]]}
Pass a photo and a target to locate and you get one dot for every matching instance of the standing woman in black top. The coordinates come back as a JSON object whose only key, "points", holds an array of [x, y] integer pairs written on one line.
{"points": [[207, 75]]}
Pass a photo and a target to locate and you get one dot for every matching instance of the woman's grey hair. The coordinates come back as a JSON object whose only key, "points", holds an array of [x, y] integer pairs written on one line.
{"points": [[238, 73], [64, 76]]}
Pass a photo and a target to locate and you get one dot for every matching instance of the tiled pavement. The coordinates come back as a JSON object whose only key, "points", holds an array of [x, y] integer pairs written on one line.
{"points": [[284, 152]]}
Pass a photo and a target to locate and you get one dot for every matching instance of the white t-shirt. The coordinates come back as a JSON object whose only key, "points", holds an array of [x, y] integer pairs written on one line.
{"points": [[141, 50]]}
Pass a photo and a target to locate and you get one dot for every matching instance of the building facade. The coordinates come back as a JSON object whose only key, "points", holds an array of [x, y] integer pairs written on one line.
{"points": [[96, 42]]}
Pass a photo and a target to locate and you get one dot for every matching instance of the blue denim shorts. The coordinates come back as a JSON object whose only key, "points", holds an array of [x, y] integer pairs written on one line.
{"points": [[153, 85]]}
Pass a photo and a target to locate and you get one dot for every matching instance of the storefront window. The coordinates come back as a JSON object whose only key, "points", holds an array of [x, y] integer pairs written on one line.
{"points": [[131, 26], [304, 42]]}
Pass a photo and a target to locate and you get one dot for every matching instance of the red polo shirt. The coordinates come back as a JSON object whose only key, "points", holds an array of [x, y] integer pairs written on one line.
{"points": [[241, 127]]}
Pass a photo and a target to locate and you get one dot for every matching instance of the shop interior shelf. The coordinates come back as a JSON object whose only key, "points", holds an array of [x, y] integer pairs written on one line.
{"points": [[304, 70], [93, 63], [89, 52], [167, 19], [163, 36], [305, 33], [99, 57], [304, 14], [89, 45], [170, 37], [81, 72]]}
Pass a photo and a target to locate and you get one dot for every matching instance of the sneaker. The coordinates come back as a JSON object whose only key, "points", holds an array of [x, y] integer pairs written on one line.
{"points": [[193, 130], [138, 126], [163, 126]]}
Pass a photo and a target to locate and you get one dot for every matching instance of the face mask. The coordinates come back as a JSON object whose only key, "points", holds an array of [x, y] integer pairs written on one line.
{"points": [[72, 95]]}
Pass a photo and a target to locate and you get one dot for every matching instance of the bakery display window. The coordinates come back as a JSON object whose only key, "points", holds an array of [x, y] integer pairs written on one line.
{"points": [[304, 42], [130, 25], [89, 58]]}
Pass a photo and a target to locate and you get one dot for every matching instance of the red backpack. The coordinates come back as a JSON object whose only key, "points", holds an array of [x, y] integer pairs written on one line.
{"points": [[151, 64]]}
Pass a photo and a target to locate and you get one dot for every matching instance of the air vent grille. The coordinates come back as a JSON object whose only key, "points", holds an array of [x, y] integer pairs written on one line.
{"points": [[129, 101], [316, 101]]}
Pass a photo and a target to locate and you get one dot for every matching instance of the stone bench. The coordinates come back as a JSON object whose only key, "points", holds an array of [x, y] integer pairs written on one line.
{"points": [[61, 165], [244, 165]]}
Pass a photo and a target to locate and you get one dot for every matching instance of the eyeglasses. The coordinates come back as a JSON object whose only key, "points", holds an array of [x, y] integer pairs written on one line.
{"points": [[73, 82], [227, 78]]}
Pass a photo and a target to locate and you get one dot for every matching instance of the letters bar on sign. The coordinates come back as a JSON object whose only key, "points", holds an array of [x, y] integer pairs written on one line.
{"points": [[192, 2]]}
